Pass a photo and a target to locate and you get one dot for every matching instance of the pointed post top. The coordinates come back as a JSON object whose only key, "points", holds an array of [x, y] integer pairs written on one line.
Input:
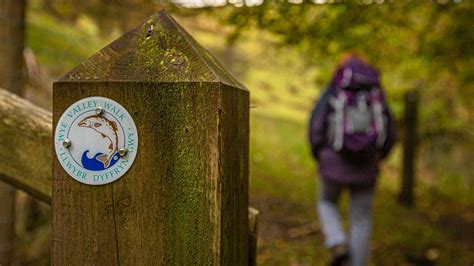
{"points": [[184, 121], [158, 50]]}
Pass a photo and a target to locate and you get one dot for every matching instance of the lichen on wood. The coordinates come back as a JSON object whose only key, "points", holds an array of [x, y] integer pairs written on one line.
{"points": [[184, 200]]}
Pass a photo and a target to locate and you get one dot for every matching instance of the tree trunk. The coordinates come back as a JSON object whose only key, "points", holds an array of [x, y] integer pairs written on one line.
{"points": [[12, 24], [11, 44], [409, 148]]}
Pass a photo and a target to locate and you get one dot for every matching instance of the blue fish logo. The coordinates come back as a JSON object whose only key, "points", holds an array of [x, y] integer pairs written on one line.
{"points": [[95, 164]]}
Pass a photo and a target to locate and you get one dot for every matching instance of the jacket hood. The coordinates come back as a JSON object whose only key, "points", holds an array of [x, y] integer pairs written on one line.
{"points": [[355, 74]]}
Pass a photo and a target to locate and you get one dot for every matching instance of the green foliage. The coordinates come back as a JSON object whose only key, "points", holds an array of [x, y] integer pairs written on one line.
{"points": [[110, 16], [416, 44], [59, 47]]}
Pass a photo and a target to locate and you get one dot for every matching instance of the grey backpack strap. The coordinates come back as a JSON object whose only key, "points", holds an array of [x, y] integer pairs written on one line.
{"points": [[338, 104], [346, 78], [380, 123]]}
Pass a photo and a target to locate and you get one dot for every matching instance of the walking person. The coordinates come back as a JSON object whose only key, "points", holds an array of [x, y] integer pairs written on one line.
{"points": [[351, 131]]}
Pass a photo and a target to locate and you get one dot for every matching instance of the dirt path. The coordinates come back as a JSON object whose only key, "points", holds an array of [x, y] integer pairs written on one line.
{"points": [[289, 234]]}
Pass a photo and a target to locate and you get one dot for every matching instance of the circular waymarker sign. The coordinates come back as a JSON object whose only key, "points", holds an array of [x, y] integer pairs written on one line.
{"points": [[96, 140]]}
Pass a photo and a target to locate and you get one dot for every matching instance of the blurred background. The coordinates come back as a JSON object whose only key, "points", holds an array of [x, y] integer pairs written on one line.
{"points": [[285, 51]]}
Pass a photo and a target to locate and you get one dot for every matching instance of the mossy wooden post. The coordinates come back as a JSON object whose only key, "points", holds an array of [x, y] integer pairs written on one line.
{"points": [[184, 200]]}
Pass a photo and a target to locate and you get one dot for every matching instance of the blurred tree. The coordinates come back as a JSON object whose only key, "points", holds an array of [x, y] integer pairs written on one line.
{"points": [[12, 18], [391, 34], [415, 42], [12, 23]]}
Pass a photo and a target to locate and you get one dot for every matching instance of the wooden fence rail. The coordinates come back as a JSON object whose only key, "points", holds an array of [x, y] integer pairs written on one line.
{"points": [[25, 146]]}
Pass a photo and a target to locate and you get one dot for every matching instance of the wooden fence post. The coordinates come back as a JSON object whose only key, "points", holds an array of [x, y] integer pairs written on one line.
{"points": [[409, 148], [184, 200], [253, 235]]}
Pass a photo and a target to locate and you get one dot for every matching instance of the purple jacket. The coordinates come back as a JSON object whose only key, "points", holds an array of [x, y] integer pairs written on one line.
{"points": [[339, 167]]}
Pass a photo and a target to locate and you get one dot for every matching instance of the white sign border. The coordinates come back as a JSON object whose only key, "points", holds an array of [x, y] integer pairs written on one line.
{"points": [[95, 177]]}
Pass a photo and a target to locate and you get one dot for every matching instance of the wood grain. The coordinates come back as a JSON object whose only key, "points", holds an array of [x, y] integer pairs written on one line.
{"points": [[25, 146], [184, 201]]}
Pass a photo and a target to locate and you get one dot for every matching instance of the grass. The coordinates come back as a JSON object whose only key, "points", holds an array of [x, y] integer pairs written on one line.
{"points": [[283, 177], [283, 182], [57, 45]]}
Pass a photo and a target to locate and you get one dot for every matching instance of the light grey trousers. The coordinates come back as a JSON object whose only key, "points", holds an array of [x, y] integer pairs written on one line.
{"points": [[360, 219]]}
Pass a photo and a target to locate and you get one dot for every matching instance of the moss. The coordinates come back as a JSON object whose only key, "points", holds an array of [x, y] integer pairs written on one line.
{"points": [[178, 182]]}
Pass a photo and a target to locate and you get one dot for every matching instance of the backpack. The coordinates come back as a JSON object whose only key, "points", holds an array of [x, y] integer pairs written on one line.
{"points": [[357, 123]]}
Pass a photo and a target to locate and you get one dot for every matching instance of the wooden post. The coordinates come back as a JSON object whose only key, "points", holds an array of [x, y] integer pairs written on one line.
{"points": [[253, 235], [184, 200], [26, 132], [409, 148], [12, 24]]}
